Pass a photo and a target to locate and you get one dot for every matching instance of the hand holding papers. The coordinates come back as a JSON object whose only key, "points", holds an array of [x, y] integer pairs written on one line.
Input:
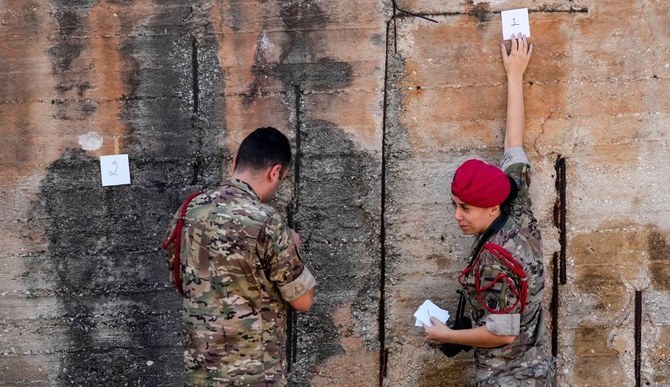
{"points": [[428, 310]]}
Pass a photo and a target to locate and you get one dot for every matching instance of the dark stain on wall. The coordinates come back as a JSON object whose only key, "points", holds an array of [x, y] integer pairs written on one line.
{"points": [[339, 233], [593, 351], [235, 15], [659, 262], [481, 11], [71, 25], [120, 317], [106, 274], [66, 49], [335, 178], [433, 373], [302, 15], [604, 284], [297, 64]]}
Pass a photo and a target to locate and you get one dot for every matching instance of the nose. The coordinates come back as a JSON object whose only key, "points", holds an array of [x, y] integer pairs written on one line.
{"points": [[458, 214]]}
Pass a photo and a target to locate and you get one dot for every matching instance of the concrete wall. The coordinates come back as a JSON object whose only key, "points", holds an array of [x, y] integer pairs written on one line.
{"points": [[381, 107]]}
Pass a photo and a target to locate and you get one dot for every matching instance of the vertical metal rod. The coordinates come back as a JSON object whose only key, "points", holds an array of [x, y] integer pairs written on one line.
{"points": [[554, 306], [638, 337], [381, 323], [560, 211], [559, 274]]}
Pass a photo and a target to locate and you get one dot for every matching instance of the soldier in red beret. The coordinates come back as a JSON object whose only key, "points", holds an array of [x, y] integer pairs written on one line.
{"points": [[504, 281]]}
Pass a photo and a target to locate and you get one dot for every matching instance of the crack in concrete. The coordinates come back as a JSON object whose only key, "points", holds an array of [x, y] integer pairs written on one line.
{"points": [[97, 100], [537, 139], [478, 13]]}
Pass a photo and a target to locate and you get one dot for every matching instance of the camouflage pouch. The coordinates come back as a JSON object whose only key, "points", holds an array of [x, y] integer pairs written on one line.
{"points": [[460, 322]]}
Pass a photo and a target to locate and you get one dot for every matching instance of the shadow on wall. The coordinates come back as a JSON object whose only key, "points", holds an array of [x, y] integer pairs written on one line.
{"points": [[338, 212], [105, 265], [339, 219], [337, 201], [108, 275], [120, 321]]}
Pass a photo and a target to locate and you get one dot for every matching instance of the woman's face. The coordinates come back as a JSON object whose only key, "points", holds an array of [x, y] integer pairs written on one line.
{"points": [[473, 220]]}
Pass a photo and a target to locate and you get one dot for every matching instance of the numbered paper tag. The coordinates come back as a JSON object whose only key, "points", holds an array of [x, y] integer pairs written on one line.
{"points": [[515, 21], [114, 170]]}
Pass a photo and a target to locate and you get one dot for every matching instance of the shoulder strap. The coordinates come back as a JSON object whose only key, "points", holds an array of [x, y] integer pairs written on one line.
{"points": [[517, 285], [175, 238], [494, 228]]}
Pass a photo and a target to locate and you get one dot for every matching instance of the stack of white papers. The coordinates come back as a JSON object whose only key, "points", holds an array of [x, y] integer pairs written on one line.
{"points": [[428, 310]]}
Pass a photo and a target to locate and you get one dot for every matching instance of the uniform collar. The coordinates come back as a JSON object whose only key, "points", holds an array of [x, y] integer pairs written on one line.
{"points": [[243, 186]]}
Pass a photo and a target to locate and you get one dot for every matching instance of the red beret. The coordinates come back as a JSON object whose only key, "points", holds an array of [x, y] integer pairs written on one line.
{"points": [[480, 184]]}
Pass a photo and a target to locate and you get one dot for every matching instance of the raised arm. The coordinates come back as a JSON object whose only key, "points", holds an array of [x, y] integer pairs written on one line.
{"points": [[515, 65]]}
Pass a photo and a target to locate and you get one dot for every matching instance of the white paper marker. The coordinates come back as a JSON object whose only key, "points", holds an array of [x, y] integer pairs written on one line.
{"points": [[515, 21], [114, 170], [427, 310]]}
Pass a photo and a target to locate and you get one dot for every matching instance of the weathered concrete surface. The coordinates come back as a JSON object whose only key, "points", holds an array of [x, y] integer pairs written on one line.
{"points": [[85, 297], [380, 112], [594, 97], [177, 85], [316, 68]]}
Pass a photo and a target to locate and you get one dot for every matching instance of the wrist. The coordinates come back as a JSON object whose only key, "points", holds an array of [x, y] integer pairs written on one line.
{"points": [[514, 78], [446, 336]]}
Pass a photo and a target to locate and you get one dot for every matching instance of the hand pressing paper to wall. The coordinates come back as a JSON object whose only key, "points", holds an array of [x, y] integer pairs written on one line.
{"points": [[515, 21], [428, 310]]}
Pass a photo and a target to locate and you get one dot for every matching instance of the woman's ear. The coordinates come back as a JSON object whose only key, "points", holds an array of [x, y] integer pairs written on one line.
{"points": [[495, 210]]}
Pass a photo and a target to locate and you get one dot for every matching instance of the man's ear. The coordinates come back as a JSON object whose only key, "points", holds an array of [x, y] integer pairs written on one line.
{"points": [[235, 162], [275, 173]]}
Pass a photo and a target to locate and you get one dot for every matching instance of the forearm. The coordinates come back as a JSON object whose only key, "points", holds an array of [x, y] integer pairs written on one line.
{"points": [[515, 125], [478, 337], [515, 65]]}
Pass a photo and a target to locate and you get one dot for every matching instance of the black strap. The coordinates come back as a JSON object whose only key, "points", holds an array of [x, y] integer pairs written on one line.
{"points": [[460, 310], [493, 228]]}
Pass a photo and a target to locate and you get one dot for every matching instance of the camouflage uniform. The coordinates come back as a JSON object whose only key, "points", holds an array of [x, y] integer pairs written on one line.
{"points": [[239, 268], [526, 361]]}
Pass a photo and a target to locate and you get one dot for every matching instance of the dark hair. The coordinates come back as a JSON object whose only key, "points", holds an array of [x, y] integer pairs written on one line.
{"points": [[263, 148]]}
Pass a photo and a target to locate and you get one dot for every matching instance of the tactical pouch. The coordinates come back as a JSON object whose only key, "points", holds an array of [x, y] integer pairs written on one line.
{"points": [[460, 322]]}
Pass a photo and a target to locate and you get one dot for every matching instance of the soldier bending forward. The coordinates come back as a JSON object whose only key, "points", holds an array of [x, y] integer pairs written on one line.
{"points": [[239, 266]]}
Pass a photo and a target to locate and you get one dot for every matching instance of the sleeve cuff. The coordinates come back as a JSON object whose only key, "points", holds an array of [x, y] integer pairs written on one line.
{"points": [[512, 156], [298, 287], [503, 324]]}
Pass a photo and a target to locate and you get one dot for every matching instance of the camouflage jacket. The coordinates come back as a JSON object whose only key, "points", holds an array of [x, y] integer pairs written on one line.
{"points": [[239, 268], [527, 358]]}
